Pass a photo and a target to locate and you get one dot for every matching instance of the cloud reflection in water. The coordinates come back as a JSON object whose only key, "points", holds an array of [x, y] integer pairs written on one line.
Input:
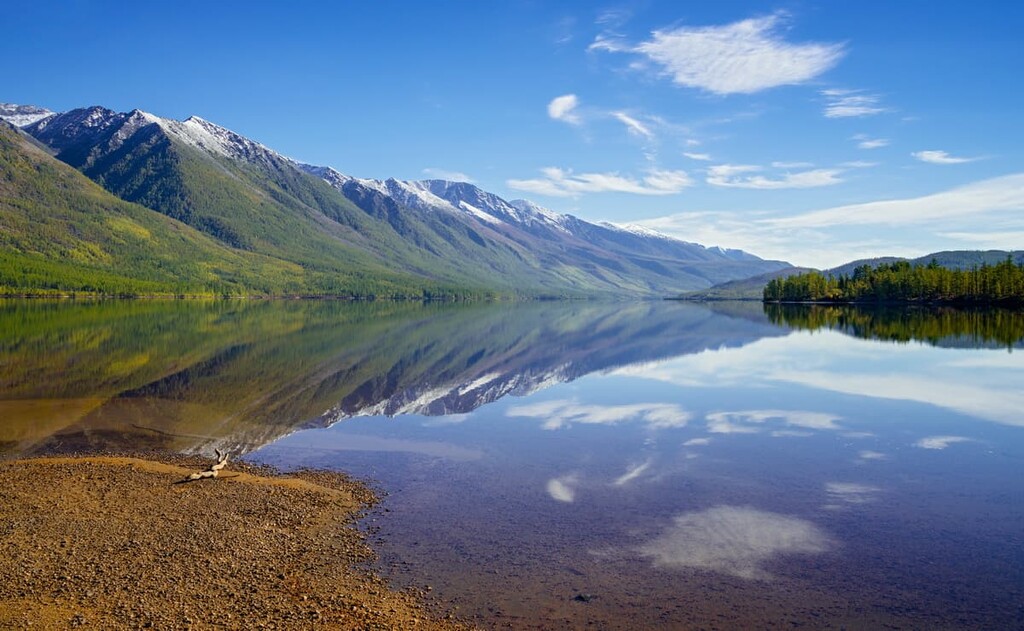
{"points": [[564, 413], [735, 540]]}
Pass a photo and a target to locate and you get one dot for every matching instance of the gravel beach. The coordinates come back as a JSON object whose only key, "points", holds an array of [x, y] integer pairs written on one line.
{"points": [[119, 542]]}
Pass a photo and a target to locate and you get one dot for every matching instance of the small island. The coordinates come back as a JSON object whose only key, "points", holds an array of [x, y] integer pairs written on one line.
{"points": [[902, 282]]}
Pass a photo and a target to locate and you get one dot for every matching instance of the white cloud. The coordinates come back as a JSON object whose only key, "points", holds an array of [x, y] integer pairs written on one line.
{"points": [[1001, 240], [693, 442], [634, 126], [997, 194], [851, 492], [739, 58], [565, 413], [940, 442], [698, 156], [563, 108], [564, 183], [866, 142], [867, 454], [444, 174], [735, 540], [858, 164], [830, 361], [563, 489], [632, 473], [850, 104], [746, 421], [741, 176], [980, 215], [792, 165], [940, 157]]}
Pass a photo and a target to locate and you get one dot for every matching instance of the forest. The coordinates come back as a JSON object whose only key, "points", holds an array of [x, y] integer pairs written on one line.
{"points": [[902, 282], [939, 326]]}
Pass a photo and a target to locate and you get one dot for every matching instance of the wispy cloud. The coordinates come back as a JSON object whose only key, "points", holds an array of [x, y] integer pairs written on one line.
{"points": [[563, 489], [851, 492], [749, 421], [999, 240], [841, 103], [940, 157], [833, 362], [634, 126], [866, 142], [747, 176], [792, 165], [997, 194], [563, 108], [940, 442], [858, 164], [867, 454], [565, 413], [735, 540], [739, 58], [444, 174], [703, 157], [693, 442], [564, 183], [632, 473], [843, 495], [981, 215]]}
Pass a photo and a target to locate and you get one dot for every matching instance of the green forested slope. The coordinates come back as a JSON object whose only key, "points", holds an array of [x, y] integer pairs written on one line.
{"points": [[61, 233]]}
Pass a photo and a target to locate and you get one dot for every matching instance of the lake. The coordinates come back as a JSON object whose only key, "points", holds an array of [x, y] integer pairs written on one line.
{"points": [[571, 464]]}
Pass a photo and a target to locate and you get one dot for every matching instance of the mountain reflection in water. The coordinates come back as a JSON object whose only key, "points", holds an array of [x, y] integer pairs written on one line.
{"points": [[237, 375]]}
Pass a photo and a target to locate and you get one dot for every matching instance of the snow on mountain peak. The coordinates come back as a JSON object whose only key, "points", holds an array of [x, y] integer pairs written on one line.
{"points": [[639, 231], [23, 115], [213, 138]]}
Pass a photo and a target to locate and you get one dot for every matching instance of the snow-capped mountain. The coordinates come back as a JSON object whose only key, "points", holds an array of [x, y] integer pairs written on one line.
{"points": [[335, 225], [530, 224], [22, 115]]}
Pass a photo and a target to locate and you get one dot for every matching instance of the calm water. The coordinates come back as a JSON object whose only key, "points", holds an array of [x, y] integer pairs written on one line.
{"points": [[565, 465]]}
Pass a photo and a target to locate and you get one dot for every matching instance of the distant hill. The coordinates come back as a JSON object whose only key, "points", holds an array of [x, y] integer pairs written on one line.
{"points": [[752, 288], [742, 289], [951, 259]]}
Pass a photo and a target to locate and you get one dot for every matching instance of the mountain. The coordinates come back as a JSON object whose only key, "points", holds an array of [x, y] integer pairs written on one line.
{"points": [[951, 259], [60, 232], [572, 251], [743, 289], [357, 236], [752, 288], [22, 115]]}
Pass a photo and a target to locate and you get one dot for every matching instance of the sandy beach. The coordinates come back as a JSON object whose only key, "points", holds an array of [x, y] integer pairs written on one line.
{"points": [[119, 542]]}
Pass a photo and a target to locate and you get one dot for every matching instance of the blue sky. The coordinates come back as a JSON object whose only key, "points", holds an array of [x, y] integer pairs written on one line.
{"points": [[815, 132]]}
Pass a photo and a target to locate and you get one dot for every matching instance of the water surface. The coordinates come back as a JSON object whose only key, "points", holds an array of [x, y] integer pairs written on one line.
{"points": [[559, 465]]}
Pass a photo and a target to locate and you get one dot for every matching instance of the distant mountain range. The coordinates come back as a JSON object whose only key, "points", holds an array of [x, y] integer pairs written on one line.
{"points": [[246, 219], [752, 288]]}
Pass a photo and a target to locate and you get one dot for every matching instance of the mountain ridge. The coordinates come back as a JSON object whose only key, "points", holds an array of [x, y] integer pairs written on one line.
{"points": [[342, 229]]}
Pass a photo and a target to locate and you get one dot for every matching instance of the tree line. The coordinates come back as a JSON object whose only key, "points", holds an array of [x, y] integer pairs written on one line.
{"points": [[940, 325], [1002, 283]]}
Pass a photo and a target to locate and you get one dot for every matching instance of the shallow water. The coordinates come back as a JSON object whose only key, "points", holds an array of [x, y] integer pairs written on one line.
{"points": [[572, 465]]}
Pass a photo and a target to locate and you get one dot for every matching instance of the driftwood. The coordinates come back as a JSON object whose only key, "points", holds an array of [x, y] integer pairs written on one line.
{"points": [[212, 472]]}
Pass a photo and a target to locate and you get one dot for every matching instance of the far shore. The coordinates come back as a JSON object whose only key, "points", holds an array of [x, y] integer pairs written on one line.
{"points": [[121, 542]]}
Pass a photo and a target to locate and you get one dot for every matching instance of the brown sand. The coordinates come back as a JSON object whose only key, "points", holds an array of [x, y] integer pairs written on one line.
{"points": [[113, 542]]}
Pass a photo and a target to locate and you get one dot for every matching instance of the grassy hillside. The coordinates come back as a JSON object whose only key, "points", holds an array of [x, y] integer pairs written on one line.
{"points": [[62, 233]]}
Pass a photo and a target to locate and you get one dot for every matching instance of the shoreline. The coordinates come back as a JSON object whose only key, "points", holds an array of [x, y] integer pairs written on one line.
{"points": [[120, 542]]}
